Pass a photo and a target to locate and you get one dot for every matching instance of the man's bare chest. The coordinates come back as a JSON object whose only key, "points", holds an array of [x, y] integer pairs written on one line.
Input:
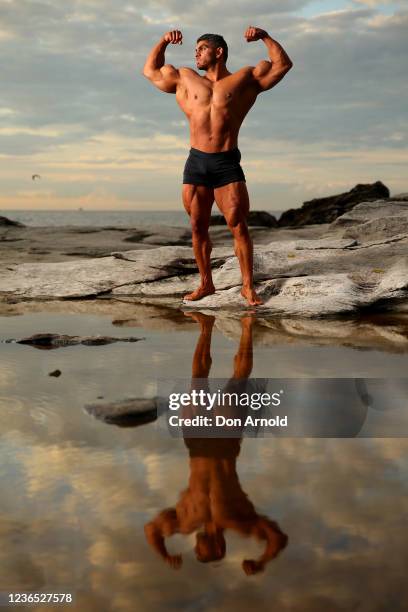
{"points": [[199, 93]]}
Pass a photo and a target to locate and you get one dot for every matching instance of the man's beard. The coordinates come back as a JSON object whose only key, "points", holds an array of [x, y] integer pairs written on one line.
{"points": [[205, 66]]}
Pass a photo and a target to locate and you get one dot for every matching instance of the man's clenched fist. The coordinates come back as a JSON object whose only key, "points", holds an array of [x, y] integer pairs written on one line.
{"points": [[253, 33], [174, 37]]}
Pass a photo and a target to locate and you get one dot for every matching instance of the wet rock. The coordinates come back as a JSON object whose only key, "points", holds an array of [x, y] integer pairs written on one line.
{"points": [[259, 218], [330, 274], [326, 210], [401, 197], [52, 341], [382, 331], [125, 413]]}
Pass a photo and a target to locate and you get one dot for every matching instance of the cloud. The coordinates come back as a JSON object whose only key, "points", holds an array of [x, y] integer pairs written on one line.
{"points": [[342, 503], [78, 65], [375, 3]]}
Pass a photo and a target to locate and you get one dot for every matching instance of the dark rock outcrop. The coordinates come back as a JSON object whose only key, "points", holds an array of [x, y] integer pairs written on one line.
{"points": [[53, 341], [4, 222], [259, 218], [125, 413], [55, 373], [326, 210]]}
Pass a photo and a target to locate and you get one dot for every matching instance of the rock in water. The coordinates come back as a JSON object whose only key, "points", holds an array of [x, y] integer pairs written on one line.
{"points": [[9, 222], [53, 341], [125, 413], [55, 373], [259, 218], [326, 210]]}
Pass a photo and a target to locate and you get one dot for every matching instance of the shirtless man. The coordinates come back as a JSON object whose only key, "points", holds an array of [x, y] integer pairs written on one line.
{"points": [[216, 105]]}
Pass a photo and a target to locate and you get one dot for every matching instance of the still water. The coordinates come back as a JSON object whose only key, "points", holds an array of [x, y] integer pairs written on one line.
{"points": [[127, 518]]}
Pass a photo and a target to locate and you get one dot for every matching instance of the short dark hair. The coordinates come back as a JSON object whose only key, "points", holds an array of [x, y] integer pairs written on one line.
{"points": [[218, 41]]}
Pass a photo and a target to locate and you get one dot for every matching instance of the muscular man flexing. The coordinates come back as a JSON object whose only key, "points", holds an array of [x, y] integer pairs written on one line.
{"points": [[216, 105]]}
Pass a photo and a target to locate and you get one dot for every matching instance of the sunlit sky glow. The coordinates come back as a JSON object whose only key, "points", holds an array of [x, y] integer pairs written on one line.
{"points": [[75, 108]]}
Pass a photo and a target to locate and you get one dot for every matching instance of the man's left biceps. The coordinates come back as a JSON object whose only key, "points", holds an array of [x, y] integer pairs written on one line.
{"points": [[269, 80], [265, 84], [262, 68]]}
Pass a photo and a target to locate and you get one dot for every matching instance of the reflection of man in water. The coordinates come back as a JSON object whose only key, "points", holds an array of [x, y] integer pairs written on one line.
{"points": [[215, 105], [214, 500]]}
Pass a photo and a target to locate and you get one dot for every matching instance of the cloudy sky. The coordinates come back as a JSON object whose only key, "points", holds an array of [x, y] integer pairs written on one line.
{"points": [[75, 108]]}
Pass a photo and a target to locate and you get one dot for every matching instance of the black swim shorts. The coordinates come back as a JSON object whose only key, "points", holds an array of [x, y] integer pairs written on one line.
{"points": [[213, 169]]}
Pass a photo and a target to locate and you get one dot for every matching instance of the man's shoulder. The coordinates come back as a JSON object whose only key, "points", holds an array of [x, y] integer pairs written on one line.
{"points": [[245, 70], [242, 74]]}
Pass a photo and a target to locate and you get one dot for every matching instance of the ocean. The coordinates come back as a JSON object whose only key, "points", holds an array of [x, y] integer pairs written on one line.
{"points": [[100, 218]]}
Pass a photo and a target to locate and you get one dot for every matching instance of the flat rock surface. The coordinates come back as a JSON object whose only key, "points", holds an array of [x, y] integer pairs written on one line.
{"points": [[29, 244], [328, 274], [372, 221], [55, 244]]}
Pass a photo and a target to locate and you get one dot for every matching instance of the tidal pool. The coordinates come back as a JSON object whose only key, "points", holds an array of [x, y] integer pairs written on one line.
{"points": [[280, 523]]}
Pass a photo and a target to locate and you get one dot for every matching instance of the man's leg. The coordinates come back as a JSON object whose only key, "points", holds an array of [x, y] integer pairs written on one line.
{"points": [[233, 202], [198, 201]]}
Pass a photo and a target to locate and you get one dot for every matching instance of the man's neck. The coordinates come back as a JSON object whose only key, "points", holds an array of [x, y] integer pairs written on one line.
{"points": [[217, 72]]}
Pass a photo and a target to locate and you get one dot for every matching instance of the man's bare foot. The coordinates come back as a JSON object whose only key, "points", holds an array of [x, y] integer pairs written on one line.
{"points": [[201, 292], [250, 295]]}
